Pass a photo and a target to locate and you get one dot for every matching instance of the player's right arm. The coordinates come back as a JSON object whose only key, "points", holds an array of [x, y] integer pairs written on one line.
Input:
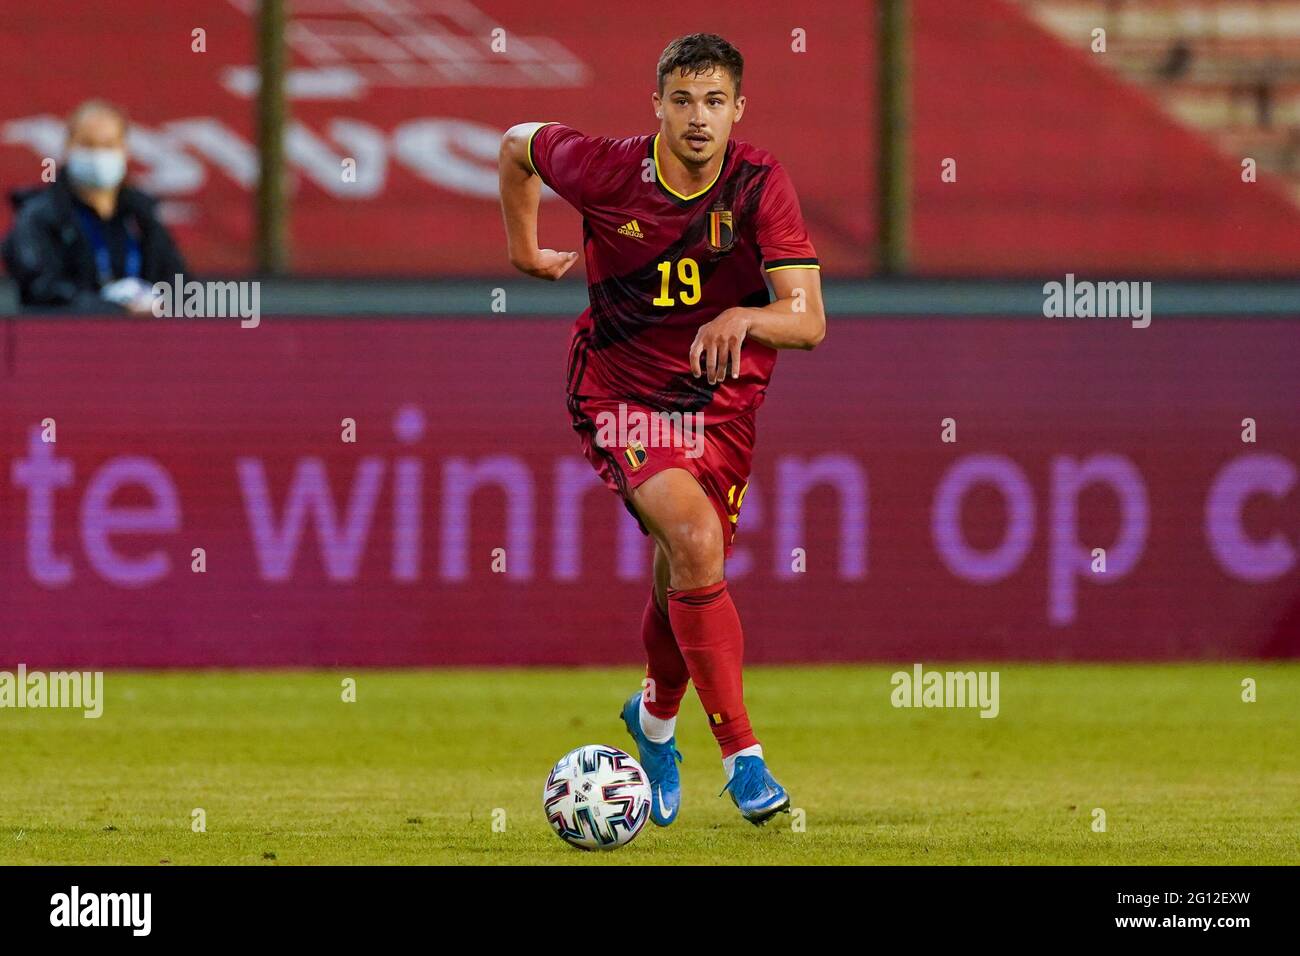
{"points": [[521, 194]]}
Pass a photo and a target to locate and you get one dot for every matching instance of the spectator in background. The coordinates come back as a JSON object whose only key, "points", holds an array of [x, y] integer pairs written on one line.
{"points": [[87, 242]]}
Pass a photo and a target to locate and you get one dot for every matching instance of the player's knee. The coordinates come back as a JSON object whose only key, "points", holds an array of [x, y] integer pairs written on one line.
{"points": [[699, 538], [695, 552]]}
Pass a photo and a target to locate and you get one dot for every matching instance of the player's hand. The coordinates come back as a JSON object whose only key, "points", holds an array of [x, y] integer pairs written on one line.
{"points": [[717, 346], [546, 264]]}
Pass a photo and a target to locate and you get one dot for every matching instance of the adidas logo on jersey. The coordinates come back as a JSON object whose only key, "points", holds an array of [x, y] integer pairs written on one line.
{"points": [[631, 228]]}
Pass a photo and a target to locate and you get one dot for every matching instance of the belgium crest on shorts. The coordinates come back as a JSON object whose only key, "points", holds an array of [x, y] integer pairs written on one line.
{"points": [[635, 454], [721, 232]]}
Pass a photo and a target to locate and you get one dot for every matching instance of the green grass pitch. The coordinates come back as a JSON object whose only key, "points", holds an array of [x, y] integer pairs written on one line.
{"points": [[424, 763]]}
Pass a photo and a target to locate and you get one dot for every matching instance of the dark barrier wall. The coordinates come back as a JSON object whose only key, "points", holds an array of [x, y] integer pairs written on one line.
{"points": [[1055, 164], [1071, 435]]}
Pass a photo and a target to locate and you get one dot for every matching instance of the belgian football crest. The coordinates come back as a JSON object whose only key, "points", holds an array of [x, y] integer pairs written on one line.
{"points": [[721, 229], [635, 454]]}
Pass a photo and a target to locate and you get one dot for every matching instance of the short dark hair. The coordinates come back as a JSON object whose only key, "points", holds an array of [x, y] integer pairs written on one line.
{"points": [[701, 53]]}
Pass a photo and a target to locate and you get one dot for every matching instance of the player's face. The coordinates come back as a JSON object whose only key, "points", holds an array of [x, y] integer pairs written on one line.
{"points": [[697, 113]]}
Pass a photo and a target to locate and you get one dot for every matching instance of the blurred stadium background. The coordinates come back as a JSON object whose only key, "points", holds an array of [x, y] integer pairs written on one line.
{"points": [[383, 305]]}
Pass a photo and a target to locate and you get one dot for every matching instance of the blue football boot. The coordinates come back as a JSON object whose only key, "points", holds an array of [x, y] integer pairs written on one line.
{"points": [[660, 763], [755, 791]]}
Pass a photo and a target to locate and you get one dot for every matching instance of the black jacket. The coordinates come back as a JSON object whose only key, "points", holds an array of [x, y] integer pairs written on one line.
{"points": [[53, 263]]}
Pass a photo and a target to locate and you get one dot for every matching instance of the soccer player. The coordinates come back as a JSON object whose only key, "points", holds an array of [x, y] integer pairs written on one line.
{"points": [[679, 230]]}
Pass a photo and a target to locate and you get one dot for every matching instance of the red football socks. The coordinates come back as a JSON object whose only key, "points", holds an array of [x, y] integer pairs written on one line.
{"points": [[707, 629], [665, 670]]}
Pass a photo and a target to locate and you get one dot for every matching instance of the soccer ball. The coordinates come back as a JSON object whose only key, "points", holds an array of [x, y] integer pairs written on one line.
{"points": [[597, 798]]}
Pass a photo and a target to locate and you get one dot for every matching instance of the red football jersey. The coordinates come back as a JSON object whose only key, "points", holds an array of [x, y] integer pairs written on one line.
{"points": [[660, 265]]}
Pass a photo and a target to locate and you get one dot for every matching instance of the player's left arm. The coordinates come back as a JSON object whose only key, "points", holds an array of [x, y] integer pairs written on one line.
{"points": [[795, 320]]}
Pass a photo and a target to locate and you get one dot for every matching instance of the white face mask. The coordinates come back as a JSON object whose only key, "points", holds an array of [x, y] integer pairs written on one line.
{"points": [[97, 168]]}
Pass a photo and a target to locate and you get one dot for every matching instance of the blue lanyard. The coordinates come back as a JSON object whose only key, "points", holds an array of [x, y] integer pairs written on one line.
{"points": [[92, 226]]}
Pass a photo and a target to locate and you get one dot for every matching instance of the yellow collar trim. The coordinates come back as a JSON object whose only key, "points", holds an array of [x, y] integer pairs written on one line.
{"points": [[660, 178]]}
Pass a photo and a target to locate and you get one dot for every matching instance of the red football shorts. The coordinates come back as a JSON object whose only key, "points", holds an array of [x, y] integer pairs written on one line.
{"points": [[719, 459]]}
